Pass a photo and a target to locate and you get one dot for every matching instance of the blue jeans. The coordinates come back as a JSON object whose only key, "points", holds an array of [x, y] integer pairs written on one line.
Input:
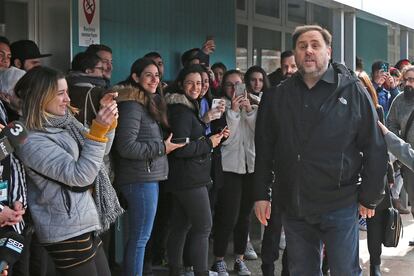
{"points": [[142, 201], [337, 229]]}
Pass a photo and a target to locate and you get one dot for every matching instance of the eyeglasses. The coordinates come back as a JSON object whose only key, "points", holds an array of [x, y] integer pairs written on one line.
{"points": [[409, 79], [230, 85]]}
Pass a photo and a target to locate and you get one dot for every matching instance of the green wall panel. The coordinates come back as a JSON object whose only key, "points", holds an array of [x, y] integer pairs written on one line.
{"points": [[132, 28], [371, 42]]}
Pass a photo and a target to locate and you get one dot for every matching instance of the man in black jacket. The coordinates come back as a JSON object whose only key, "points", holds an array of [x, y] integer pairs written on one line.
{"points": [[319, 130]]}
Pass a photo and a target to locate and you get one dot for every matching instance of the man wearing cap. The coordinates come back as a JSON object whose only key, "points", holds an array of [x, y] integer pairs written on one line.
{"points": [[26, 55]]}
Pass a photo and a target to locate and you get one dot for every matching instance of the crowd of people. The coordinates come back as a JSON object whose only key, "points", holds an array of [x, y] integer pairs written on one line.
{"points": [[189, 160]]}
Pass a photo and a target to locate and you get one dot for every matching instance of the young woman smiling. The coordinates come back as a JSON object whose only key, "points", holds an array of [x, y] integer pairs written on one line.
{"points": [[189, 174], [64, 162], [141, 155]]}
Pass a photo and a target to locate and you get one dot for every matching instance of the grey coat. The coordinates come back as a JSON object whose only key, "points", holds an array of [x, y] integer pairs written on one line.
{"points": [[400, 149], [139, 150], [55, 154], [397, 118]]}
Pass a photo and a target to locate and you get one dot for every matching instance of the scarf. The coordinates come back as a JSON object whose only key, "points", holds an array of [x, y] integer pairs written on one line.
{"points": [[105, 197]]}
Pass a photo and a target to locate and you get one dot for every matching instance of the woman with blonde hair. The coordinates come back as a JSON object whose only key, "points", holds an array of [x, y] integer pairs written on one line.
{"points": [[69, 192]]}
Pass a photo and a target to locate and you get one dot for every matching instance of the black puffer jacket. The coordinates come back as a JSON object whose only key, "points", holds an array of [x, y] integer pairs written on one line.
{"points": [[139, 150], [320, 175], [190, 165]]}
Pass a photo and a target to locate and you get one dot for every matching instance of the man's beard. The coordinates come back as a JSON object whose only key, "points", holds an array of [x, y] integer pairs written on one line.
{"points": [[409, 92]]}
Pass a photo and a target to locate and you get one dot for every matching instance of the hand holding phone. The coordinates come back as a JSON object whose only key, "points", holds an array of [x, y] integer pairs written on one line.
{"points": [[239, 89]]}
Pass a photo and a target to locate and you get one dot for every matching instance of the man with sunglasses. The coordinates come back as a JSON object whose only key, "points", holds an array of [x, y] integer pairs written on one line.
{"points": [[398, 122]]}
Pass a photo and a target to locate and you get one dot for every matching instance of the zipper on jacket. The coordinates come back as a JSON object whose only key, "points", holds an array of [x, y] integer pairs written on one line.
{"points": [[341, 170], [149, 165]]}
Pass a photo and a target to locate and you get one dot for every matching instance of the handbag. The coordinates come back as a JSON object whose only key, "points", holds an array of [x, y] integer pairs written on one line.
{"points": [[393, 227]]}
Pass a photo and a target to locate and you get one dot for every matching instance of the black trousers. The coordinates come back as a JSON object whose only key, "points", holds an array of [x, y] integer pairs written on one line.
{"points": [[191, 212], [97, 266], [156, 247], [232, 213], [375, 235], [270, 244]]}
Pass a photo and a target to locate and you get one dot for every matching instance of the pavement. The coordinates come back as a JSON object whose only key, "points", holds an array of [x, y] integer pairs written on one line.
{"points": [[397, 261]]}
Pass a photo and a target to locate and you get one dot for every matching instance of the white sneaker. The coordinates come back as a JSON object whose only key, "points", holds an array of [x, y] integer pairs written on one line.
{"points": [[362, 224], [249, 253], [282, 242]]}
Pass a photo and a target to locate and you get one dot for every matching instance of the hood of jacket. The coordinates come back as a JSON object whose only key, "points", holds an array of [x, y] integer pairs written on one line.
{"points": [[76, 78], [130, 93], [177, 98]]}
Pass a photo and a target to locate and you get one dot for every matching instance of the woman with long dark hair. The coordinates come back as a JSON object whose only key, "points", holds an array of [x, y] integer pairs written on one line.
{"points": [[141, 155], [189, 174]]}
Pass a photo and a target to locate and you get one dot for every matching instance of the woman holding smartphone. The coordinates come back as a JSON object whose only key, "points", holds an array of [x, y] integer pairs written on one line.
{"points": [[235, 197], [64, 162], [189, 174]]}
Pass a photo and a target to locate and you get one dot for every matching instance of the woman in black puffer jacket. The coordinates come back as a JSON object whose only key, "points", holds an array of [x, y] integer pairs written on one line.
{"points": [[189, 173]]}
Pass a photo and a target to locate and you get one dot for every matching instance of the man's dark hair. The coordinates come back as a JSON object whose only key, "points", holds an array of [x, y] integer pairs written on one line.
{"points": [[4, 40], [376, 66], [219, 65], [286, 54], [327, 37], [84, 60], [189, 55], [359, 64], [152, 55], [95, 48]]}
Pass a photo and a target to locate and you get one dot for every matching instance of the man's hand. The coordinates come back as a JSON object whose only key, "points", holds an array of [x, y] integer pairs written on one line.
{"points": [[10, 217], [262, 209], [365, 212]]}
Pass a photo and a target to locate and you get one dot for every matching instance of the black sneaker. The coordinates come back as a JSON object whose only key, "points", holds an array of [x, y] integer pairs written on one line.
{"points": [[220, 267], [241, 268]]}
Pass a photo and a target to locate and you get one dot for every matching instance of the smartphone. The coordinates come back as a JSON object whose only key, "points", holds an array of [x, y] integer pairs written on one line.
{"points": [[239, 89], [224, 128], [216, 103], [184, 140], [385, 67]]}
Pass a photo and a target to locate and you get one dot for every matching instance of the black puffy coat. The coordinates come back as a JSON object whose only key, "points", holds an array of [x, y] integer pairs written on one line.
{"points": [[139, 150], [190, 165]]}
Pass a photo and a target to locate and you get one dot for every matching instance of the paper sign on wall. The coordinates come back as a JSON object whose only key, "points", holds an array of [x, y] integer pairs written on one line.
{"points": [[89, 22]]}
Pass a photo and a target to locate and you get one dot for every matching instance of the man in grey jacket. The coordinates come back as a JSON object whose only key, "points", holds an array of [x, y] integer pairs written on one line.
{"points": [[400, 111]]}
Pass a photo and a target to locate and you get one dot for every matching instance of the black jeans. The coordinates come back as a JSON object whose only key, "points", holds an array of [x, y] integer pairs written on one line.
{"points": [[375, 236], [191, 211], [232, 213]]}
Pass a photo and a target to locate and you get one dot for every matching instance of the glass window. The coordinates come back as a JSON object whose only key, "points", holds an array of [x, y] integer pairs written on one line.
{"points": [[288, 41], [411, 46], [296, 11], [266, 47], [241, 49], [322, 16], [268, 8], [241, 5]]}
